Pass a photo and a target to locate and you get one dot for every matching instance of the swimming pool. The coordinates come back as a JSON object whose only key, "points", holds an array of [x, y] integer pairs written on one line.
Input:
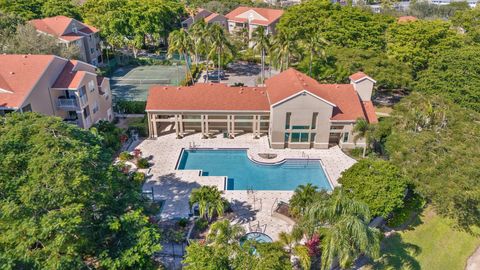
{"points": [[244, 174]]}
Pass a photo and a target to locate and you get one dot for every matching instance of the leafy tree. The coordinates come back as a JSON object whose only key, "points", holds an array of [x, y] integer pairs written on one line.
{"points": [[376, 182], [220, 44], [261, 43], [315, 46], [222, 233], [209, 200], [415, 43], [346, 234], [284, 46], [26, 9], [67, 8], [26, 40], [469, 20], [455, 75], [351, 27], [424, 9], [63, 204], [200, 256], [181, 42], [434, 143]]}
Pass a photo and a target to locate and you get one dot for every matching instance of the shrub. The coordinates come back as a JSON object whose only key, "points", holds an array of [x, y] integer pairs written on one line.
{"points": [[140, 126], [183, 222], [201, 224], [124, 156], [130, 107], [142, 163], [109, 133], [138, 177]]}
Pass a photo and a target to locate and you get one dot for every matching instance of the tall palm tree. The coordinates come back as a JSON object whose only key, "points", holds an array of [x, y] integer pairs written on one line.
{"points": [[362, 129], [223, 233], [202, 39], [348, 235], [315, 45], [284, 46], [209, 200], [220, 43], [261, 43], [303, 196], [180, 42]]}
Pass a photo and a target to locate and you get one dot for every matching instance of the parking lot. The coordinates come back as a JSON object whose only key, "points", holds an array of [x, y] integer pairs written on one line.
{"points": [[244, 73]]}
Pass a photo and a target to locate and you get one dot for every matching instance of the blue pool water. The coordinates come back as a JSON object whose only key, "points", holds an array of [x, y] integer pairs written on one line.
{"points": [[244, 174]]}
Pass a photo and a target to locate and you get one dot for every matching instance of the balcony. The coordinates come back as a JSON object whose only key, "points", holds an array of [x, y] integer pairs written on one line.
{"points": [[67, 103], [72, 121]]}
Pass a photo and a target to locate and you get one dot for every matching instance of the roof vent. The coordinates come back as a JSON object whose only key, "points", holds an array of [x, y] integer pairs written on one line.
{"points": [[261, 92], [241, 88], [305, 84], [25, 56], [12, 73], [178, 88], [211, 83], [164, 88], [254, 89], [337, 86], [240, 92]]}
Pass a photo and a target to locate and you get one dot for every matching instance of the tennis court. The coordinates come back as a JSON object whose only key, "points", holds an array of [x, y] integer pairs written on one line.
{"points": [[132, 83]]}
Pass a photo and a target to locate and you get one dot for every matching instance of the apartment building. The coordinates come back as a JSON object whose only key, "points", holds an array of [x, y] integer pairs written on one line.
{"points": [[54, 86], [72, 32], [208, 16], [292, 109], [250, 18]]}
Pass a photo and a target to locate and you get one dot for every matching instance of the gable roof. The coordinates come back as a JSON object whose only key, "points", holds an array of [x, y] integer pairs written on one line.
{"points": [[213, 16], [69, 78], [369, 110], [270, 15], [207, 97], [59, 26], [18, 76], [356, 77]]}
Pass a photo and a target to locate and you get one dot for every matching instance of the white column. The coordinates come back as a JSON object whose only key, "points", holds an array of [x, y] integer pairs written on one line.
{"points": [[229, 132], [182, 130], [177, 126], [202, 123], [150, 127], [232, 125], [206, 125], [154, 125]]}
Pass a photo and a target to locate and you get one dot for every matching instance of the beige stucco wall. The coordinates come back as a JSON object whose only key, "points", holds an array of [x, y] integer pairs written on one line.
{"points": [[364, 89], [40, 97], [301, 108]]}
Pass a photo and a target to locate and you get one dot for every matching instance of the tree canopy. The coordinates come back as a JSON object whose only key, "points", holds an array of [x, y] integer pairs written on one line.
{"points": [[34, 9], [376, 182], [63, 205], [434, 143]]}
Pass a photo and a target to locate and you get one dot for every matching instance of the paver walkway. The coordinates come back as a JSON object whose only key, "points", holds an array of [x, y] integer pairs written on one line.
{"points": [[251, 209], [473, 262]]}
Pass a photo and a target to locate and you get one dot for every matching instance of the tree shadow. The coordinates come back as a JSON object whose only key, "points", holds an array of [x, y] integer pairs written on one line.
{"points": [[397, 254], [242, 212]]}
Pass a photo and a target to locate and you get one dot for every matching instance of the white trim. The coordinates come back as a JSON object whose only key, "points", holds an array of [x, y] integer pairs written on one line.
{"points": [[366, 77], [220, 111], [299, 93], [251, 10]]}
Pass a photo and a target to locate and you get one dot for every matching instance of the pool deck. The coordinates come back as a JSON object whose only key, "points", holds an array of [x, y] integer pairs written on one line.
{"points": [[251, 209]]}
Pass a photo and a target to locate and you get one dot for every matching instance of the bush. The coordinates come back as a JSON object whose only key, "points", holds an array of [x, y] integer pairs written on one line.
{"points": [[124, 156], [142, 163], [140, 125], [201, 224], [183, 222], [109, 133], [138, 177], [130, 107]]}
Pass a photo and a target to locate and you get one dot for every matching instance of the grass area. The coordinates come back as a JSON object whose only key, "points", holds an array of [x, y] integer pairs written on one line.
{"points": [[433, 244]]}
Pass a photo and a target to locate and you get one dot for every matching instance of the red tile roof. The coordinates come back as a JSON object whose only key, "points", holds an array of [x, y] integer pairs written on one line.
{"points": [[204, 97], [357, 76], [59, 26], [369, 110], [207, 97], [211, 17], [18, 75], [406, 19], [270, 15], [69, 78]]}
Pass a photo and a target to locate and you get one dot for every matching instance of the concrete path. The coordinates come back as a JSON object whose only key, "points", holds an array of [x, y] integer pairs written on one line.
{"points": [[473, 262]]}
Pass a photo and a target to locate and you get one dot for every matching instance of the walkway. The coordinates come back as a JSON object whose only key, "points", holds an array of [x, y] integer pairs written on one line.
{"points": [[473, 262]]}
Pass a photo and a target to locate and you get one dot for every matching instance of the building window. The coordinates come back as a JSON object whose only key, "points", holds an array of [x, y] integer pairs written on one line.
{"points": [[345, 137], [314, 120], [95, 107], [91, 86], [299, 137], [86, 112], [287, 120], [300, 127]]}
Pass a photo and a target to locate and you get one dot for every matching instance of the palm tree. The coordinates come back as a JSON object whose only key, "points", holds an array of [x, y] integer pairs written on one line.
{"points": [[220, 43], [261, 43], [348, 235], [223, 233], [315, 45], [209, 200], [303, 196], [202, 39], [290, 241], [284, 46], [180, 42], [362, 129]]}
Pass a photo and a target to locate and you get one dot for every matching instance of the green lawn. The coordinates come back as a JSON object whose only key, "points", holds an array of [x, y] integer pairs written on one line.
{"points": [[432, 244]]}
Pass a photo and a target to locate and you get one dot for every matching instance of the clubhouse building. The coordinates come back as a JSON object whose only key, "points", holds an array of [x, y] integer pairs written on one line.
{"points": [[292, 109]]}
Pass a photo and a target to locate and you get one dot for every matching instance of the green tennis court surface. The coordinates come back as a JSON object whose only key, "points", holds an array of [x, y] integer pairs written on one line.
{"points": [[132, 83]]}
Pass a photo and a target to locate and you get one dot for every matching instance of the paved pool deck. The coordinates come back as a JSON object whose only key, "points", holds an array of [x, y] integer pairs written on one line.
{"points": [[251, 209]]}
